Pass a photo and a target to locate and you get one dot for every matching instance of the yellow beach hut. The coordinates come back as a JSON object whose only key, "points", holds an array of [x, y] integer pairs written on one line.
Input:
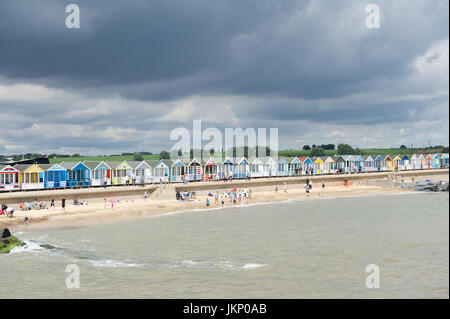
{"points": [[398, 163], [388, 163], [318, 166], [31, 176]]}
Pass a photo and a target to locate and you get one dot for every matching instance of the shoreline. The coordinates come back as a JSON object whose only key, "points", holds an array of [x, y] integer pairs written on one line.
{"points": [[134, 208]]}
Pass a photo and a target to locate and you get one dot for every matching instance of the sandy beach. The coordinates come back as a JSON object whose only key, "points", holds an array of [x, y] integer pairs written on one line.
{"points": [[98, 210], [104, 205]]}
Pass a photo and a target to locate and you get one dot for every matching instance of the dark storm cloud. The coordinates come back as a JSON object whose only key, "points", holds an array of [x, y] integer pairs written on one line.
{"points": [[231, 47], [144, 67]]}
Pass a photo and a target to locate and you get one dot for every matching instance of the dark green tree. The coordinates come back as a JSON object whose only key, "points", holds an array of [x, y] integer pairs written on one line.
{"points": [[317, 151], [138, 157]]}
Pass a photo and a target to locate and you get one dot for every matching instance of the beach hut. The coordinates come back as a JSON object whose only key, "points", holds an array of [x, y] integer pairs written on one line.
{"points": [[307, 164], [397, 163], [378, 163], [429, 161], [210, 169], [141, 172], [283, 167], [270, 167], [317, 166], [99, 171], [227, 168], [388, 164], [421, 161], [436, 161], [55, 176], [195, 170], [414, 162], [161, 170], [122, 172], [295, 166], [444, 161], [349, 163], [256, 168], [406, 162], [339, 163], [369, 163], [78, 174], [31, 176], [328, 165], [178, 171], [242, 168], [359, 163], [9, 178]]}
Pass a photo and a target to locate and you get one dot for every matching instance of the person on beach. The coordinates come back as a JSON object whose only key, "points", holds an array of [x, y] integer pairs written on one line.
{"points": [[9, 212], [307, 189], [285, 187], [216, 198], [276, 189], [223, 200], [207, 202], [323, 186], [52, 203], [145, 195], [63, 204]]}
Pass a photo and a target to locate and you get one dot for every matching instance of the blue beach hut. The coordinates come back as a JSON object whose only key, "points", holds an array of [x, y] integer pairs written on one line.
{"points": [[242, 168], [55, 176], [378, 163], [78, 174]]}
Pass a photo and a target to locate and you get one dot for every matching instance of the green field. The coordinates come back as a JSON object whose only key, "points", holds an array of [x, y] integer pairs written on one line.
{"points": [[118, 158], [283, 153]]}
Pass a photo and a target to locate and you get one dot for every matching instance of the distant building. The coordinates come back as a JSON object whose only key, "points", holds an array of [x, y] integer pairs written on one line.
{"points": [[38, 160]]}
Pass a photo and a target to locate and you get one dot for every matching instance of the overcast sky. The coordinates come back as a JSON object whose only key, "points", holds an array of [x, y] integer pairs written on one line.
{"points": [[135, 70]]}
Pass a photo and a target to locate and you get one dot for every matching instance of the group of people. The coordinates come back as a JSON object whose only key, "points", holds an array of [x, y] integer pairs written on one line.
{"points": [[235, 196], [284, 187], [185, 196], [8, 211], [35, 205]]}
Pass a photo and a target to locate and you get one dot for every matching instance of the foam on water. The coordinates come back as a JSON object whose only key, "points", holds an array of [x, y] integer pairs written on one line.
{"points": [[113, 263], [29, 246]]}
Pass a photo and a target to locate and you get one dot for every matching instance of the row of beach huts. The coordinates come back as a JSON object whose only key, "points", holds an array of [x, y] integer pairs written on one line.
{"points": [[99, 173]]}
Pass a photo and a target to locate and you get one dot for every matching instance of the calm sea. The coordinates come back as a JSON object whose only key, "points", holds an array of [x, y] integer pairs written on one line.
{"points": [[309, 248]]}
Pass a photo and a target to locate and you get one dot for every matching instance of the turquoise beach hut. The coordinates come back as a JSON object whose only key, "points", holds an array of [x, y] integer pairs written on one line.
{"points": [[294, 166], [444, 161], [283, 167], [177, 171]]}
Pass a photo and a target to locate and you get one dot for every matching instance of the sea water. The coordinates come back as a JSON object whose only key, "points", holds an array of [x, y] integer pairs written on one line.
{"points": [[306, 248]]}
